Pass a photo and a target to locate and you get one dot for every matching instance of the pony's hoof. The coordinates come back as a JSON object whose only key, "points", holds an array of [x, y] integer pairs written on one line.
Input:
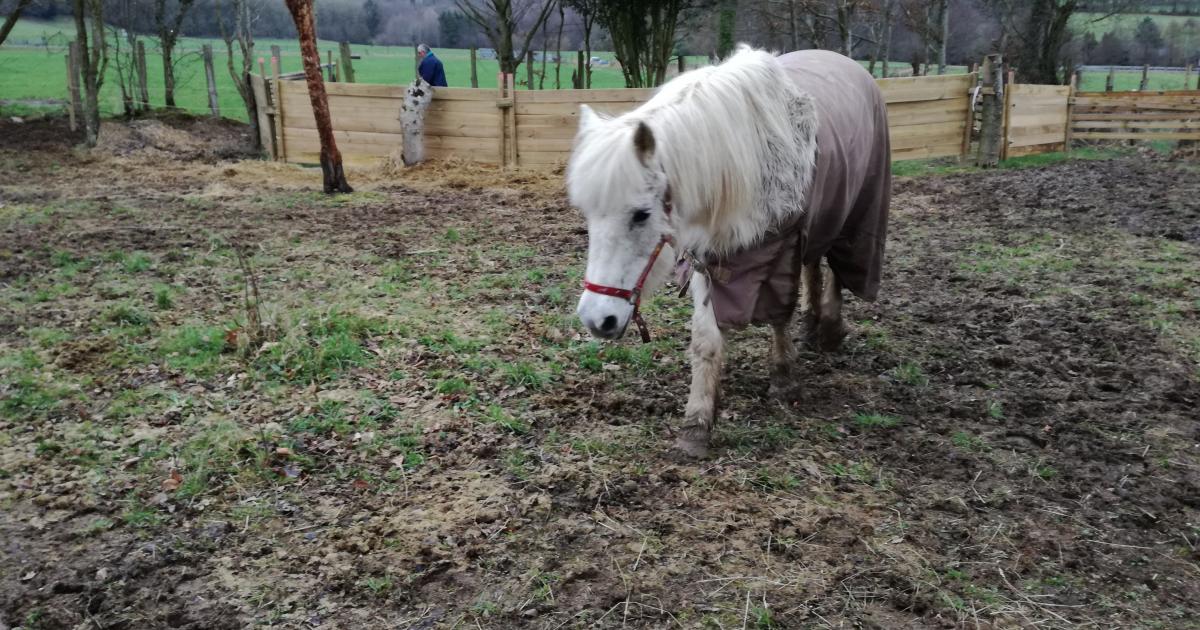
{"points": [[784, 391], [830, 335], [693, 449]]}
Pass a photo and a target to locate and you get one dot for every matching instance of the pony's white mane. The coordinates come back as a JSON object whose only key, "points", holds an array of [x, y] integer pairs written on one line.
{"points": [[736, 141]]}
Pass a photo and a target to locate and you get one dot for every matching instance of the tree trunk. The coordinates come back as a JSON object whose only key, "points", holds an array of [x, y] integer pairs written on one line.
{"points": [[12, 18], [792, 24], [991, 133], [89, 63], [886, 40], [331, 158], [168, 70], [562, 17], [944, 7]]}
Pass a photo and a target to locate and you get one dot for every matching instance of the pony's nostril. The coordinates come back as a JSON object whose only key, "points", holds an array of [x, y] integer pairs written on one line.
{"points": [[609, 324]]}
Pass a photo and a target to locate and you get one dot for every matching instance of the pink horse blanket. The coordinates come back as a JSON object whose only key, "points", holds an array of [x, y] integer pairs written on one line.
{"points": [[846, 209]]}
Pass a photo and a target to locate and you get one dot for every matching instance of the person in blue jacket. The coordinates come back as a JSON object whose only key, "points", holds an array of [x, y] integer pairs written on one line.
{"points": [[430, 68]]}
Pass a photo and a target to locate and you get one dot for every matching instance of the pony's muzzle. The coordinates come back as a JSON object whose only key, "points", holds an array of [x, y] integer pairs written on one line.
{"points": [[604, 317]]}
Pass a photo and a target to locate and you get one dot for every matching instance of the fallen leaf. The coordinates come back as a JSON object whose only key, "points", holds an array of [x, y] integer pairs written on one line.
{"points": [[28, 576], [359, 484], [291, 471], [172, 483], [283, 451]]}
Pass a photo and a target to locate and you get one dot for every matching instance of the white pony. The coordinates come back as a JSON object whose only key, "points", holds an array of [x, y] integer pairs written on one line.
{"points": [[722, 164], [417, 97]]}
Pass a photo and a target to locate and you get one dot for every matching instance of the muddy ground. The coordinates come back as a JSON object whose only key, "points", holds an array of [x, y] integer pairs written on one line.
{"points": [[409, 430]]}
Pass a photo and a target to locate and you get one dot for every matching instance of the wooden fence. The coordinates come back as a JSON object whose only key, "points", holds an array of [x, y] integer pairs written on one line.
{"points": [[1035, 119], [927, 117], [1136, 115], [508, 127]]}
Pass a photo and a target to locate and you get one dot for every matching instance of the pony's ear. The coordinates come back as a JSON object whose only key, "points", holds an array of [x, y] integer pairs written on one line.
{"points": [[643, 143], [588, 119]]}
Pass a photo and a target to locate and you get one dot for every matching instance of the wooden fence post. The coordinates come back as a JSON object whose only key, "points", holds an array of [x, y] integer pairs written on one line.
{"points": [[140, 62], [529, 67], [211, 79], [277, 55], [1006, 86], [991, 131], [682, 64], [1108, 83], [1145, 78], [513, 156], [502, 105], [474, 73], [73, 84], [330, 68], [1074, 85], [280, 120], [347, 63], [582, 82], [1187, 76]]}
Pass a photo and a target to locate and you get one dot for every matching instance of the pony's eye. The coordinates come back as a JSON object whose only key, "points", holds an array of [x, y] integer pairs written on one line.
{"points": [[640, 216]]}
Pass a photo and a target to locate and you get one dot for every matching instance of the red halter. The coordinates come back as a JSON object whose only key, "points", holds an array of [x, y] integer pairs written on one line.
{"points": [[634, 295]]}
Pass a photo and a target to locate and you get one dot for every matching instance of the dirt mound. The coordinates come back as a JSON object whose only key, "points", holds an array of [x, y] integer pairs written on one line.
{"points": [[176, 137]]}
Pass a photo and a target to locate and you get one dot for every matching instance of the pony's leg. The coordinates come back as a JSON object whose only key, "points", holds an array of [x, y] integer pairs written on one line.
{"points": [[831, 330], [706, 349], [811, 277], [784, 384]]}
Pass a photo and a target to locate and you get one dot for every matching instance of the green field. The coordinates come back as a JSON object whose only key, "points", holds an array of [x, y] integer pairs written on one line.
{"points": [[1099, 23], [33, 70], [1127, 81], [39, 72]]}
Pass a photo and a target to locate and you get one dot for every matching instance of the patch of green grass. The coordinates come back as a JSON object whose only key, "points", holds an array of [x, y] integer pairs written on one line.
{"points": [[875, 421], [453, 386], [328, 418], [995, 410], [141, 516], [910, 373], [764, 619], [774, 481], [378, 586], [1043, 471], [319, 346], [452, 235], [495, 414], [968, 442], [128, 315], [517, 463], [194, 349], [525, 374], [449, 342], [162, 298], [136, 262]]}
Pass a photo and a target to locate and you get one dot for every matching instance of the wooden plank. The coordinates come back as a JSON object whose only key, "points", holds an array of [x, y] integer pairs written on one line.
{"points": [[1138, 124], [936, 93], [1032, 139], [1138, 94], [1141, 100], [543, 158], [924, 131], [930, 151], [264, 114], [634, 96], [1029, 89], [930, 115], [564, 109], [352, 142], [1028, 120], [1077, 115], [1137, 136], [1036, 149]]}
